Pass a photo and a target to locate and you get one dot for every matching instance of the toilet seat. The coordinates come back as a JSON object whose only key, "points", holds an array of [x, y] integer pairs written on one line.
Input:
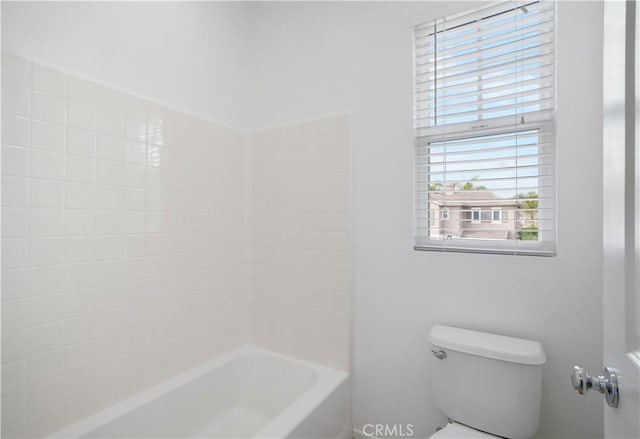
{"points": [[458, 431]]}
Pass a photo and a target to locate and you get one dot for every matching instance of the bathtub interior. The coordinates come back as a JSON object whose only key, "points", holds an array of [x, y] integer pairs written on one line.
{"points": [[236, 399]]}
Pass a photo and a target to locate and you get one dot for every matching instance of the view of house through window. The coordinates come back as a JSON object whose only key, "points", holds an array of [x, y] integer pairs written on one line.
{"points": [[478, 195], [483, 114]]}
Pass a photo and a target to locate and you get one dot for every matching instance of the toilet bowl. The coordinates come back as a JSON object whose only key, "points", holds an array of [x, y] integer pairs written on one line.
{"points": [[487, 385]]}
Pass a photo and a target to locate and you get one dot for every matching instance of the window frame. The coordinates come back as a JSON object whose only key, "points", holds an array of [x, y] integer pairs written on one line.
{"points": [[475, 210], [497, 210], [547, 239]]}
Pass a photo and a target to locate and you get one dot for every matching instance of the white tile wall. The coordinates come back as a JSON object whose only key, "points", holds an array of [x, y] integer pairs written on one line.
{"points": [[300, 240], [122, 245]]}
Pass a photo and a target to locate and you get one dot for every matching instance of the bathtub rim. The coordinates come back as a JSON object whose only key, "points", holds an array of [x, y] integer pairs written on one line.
{"points": [[287, 420]]}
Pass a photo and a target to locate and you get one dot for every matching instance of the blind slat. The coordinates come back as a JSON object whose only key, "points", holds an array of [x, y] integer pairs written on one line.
{"points": [[427, 95], [529, 107], [530, 21], [457, 78], [521, 97], [422, 83], [481, 48], [508, 158], [484, 50]]}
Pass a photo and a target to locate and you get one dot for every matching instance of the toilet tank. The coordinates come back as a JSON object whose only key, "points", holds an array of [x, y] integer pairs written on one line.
{"points": [[489, 382]]}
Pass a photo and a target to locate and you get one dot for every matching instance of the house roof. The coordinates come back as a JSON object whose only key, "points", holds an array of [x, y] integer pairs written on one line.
{"points": [[478, 198]]}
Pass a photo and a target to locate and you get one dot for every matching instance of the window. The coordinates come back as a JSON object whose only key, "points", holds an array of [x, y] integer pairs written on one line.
{"points": [[445, 214], [484, 109]]}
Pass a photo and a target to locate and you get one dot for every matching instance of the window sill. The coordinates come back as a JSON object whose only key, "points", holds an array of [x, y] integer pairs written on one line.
{"points": [[493, 250]]}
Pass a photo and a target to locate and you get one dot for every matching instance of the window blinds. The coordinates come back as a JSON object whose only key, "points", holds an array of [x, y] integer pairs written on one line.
{"points": [[484, 99]]}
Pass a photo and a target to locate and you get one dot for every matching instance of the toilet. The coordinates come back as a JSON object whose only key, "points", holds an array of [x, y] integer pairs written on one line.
{"points": [[488, 385]]}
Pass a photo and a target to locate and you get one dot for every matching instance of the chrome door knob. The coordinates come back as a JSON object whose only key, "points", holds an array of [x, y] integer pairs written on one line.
{"points": [[579, 380], [607, 384]]}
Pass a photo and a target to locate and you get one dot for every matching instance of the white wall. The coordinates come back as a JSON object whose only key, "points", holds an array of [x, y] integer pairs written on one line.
{"points": [[191, 56], [317, 59], [122, 246]]}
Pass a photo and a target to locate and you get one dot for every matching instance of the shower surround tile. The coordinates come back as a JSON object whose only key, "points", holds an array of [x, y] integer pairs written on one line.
{"points": [[115, 266], [300, 240]]}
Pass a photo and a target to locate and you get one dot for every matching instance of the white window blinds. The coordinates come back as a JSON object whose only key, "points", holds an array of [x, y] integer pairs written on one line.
{"points": [[484, 99]]}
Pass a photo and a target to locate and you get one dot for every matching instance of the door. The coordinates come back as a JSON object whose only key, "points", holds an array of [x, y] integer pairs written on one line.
{"points": [[621, 214]]}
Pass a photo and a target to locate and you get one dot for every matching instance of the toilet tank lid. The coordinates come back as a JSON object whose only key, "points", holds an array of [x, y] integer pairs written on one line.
{"points": [[483, 344]]}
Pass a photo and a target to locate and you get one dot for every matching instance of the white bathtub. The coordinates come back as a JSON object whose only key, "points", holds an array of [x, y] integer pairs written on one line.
{"points": [[247, 393]]}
